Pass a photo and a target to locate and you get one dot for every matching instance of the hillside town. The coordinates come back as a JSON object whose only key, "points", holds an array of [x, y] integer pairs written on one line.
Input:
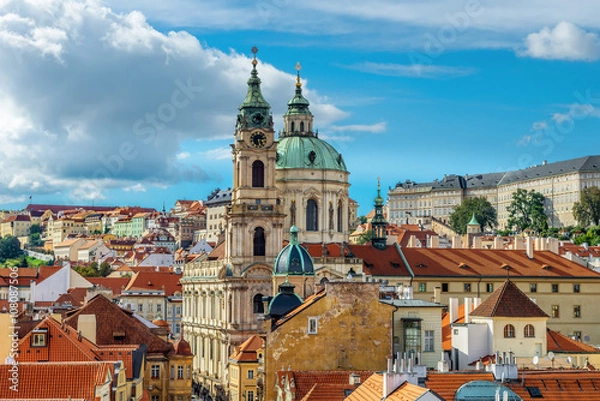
{"points": [[276, 289]]}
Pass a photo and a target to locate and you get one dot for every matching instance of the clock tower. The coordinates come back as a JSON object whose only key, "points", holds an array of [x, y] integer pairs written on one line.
{"points": [[255, 219]]}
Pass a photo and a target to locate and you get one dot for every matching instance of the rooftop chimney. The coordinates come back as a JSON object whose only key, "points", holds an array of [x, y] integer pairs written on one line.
{"points": [[529, 247]]}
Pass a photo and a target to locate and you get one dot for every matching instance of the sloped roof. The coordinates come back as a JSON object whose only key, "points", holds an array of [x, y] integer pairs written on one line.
{"points": [[372, 390], [560, 343], [155, 281], [376, 262], [246, 352], [116, 326], [57, 380], [448, 262], [508, 301], [116, 284], [323, 385], [446, 384]]}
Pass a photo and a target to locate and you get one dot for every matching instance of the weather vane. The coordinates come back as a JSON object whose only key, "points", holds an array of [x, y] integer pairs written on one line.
{"points": [[298, 68]]}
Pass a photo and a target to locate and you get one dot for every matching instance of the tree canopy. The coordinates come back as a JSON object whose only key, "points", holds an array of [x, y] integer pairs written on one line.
{"points": [[587, 210], [485, 214], [10, 247], [365, 237], [526, 211]]}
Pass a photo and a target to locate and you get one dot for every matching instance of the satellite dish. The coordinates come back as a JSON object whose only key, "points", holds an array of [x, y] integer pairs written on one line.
{"points": [[569, 360], [536, 360], [586, 338], [550, 355]]}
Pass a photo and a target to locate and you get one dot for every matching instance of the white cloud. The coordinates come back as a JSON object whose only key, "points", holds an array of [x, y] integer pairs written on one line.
{"points": [[216, 154], [373, 128], [564, 42], [413, 70], [135, 188], [182, 155], [539, 126], [577, 111], [91, 99]]}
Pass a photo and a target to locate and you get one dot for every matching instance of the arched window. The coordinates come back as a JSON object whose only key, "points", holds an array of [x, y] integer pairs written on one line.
{"points": [[257, 304], [509, 331], [529, 331], [312, 215], [258, 174], [293, 126], [259, 241], [340, 227], [301, 126]]}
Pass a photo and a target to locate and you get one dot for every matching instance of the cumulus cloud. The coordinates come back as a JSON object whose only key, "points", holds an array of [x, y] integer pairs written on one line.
{"points": [[563, 42], [91, 99]]}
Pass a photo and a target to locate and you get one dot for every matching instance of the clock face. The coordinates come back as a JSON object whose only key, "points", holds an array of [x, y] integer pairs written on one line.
{"points": [[257, 118], [258, 139]]}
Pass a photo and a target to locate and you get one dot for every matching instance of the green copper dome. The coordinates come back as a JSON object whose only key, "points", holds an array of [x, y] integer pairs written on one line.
{"points": [[473, 221], [293, 258], [308, 151]]}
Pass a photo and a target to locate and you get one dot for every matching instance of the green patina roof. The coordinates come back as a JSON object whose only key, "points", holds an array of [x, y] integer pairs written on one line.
{"points": [[254, 98], [308, 151], [473, 221]]}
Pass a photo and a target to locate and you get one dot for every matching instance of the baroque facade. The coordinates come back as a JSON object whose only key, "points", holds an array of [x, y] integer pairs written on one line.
{"points": [[296, 179], [561, 184]]}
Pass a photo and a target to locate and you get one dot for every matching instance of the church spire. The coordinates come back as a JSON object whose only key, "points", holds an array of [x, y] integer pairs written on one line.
{"points": [[378, 223], [298, 118], [254, 110]]}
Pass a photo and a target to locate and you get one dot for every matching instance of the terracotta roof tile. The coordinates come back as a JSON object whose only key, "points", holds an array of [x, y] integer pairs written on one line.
{"points": [[386, 262], [116, 284], [372, 390], [330, 384], [508, 301], [446, 384], [247, 350], [155, 281], [557, 342]]}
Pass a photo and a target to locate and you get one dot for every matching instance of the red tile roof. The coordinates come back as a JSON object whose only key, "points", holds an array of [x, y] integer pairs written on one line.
{"points": [[16, 217], [323, 385], [116, 284], [446, 384], [116, 326], [438, 262], [372, 390], [246, 352], [386, 262], [508, 301], [57, 381], [155, 281]]}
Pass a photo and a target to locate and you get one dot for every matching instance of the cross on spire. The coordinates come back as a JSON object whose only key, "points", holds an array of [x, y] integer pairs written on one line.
{"points": [[298, 68]]}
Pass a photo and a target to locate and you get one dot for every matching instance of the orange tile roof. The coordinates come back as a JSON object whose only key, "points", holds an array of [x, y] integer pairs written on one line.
{"points": [[438, 262], [218, 252], [58, 381], [246, 352], [155, 281], [116, 284], [386, 262], [508, 301], [323, 385], [372, 389], [446, 384], [557, 342]]}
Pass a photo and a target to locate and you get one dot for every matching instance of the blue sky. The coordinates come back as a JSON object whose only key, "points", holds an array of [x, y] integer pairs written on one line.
{"points": [[134, 102]]}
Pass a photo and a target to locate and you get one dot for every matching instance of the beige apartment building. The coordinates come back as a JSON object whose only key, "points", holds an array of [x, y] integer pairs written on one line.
{"points": [[561, 184]]}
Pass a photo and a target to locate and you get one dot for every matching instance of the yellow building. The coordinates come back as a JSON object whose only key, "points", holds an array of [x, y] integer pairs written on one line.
{"points": [[15, 225], [334, 329], [246, 369]]}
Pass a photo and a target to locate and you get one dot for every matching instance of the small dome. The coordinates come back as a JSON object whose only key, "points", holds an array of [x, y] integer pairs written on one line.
{"points": [[182, 348], [293, 259], [161, 323], [308, 152], [285, 301]]}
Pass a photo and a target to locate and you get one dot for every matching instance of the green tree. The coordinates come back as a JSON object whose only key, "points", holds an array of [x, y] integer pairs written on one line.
{"points": [[86, 271], [587, 209], [526, 210], [105, 269], [10, 247], [485, 214], [35, 229], [365, 237]]}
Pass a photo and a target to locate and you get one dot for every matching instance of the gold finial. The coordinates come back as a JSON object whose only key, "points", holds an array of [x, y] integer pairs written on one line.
{"points": [[298, 68], [378, 182], [254, 51]]}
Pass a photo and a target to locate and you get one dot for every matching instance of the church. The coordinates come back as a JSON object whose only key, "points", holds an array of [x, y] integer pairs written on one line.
{"points": [[293, 180]]}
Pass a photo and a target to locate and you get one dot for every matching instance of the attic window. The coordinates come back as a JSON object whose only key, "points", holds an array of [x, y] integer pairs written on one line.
{"points": [[534, 392], [546, 267], [39, 338], [421, 265], [369, 265], [119, 335], [395, 265], [505, 266], [463, 266]]}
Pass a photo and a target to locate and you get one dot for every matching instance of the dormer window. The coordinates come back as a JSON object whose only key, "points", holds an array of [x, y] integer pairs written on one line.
{"points": [[39, 338]]}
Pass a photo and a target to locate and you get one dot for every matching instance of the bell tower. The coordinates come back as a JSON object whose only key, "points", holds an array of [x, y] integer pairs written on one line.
{"points": [[255, 220]]}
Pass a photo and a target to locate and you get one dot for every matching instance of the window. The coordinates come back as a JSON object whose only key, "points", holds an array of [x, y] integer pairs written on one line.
{"points": [[429, 345], [554, 287], [301, 126], [467, 287], [188, 372], [259, 241], [577, 335], [250, 374], [422, 287], [411, 330], [172, 372], [155, 398], [533, 287], [250, 395], [155, 371], [444, 287], [576, 287], [150, 308], [258, 174], [576, 310], [529, 331], [38, 339], [312, 215], [489, 287], [140, 307], [257, 304], [339, 217], [509, 331], [180, 372], [313, 325], [555, 311]]}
